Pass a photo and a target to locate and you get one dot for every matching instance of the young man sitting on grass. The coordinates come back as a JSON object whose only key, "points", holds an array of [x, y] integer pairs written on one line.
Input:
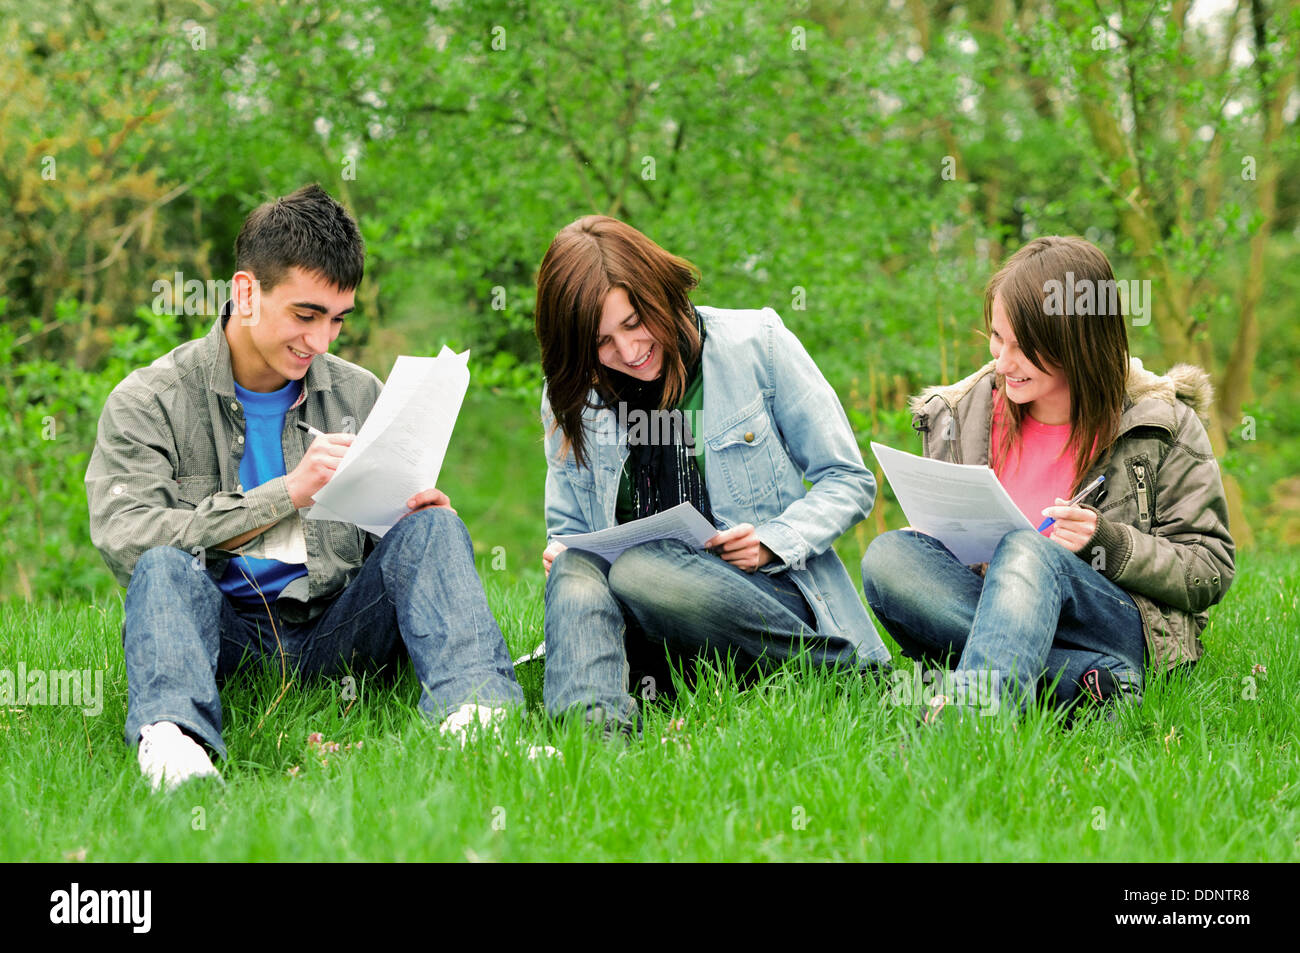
{"points": [[197, 485]]}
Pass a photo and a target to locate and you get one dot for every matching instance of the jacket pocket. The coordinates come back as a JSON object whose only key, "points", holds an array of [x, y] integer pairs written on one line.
{"points": [[580, 478], [1172, 635], [748, 454], [345, 541], [193, 490], [582, 484]]}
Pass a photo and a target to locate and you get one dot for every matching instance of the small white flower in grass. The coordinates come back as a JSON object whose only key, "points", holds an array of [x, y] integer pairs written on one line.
{"points": [[318, 746], [676, 733]]}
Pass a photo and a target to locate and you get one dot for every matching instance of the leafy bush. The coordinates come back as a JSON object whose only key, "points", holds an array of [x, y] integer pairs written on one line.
{"points": [[51, 410]]}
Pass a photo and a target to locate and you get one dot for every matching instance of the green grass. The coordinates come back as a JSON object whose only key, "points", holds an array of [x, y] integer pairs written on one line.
{"points": [[1197, 773]]}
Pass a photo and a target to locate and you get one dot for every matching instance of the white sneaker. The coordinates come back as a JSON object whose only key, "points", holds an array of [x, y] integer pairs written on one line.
{"points": [[169, 757], [471, 720]]}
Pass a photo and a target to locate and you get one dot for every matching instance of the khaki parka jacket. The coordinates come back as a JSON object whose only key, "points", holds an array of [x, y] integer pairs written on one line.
{"points": [[1162, 528]]}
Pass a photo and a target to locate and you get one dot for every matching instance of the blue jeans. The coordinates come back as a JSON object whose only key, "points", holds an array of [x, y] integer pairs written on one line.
{"points": [[685, 600], [1039, 611], [417, 594]]}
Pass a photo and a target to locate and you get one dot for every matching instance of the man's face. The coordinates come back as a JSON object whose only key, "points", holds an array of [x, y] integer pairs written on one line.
{"points": [[282, 330]]}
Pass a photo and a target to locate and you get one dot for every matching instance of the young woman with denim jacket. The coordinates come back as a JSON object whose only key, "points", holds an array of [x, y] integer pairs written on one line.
{"points": [[1126, 573], [651, 402]]}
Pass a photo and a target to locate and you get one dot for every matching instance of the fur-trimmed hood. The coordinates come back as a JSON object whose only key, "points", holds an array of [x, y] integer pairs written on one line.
{"points": [[1185, 382]]}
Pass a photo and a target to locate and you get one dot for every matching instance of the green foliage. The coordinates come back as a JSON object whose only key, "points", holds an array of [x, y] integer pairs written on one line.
{"points": [[48, 427], [860, 167]]}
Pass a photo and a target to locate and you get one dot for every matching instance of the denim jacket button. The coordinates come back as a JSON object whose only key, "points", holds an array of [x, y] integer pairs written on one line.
{"points": [[749, 437]]}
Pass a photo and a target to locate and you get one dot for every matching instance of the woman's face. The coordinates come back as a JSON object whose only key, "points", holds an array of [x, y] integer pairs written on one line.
{"points": [[1045, 394], [624, 343]]}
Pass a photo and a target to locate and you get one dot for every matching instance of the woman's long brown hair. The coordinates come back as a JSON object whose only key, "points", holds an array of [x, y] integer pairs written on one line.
{"points": [[585, 261], [1090, 349]]}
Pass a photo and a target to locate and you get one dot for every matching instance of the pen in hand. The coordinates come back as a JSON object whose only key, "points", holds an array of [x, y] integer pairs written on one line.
{"points": [[308, 428], [1074, 502]]}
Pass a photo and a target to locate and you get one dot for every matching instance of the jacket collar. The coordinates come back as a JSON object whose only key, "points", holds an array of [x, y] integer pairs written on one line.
{"points": [[969, 407], [216, 358]]}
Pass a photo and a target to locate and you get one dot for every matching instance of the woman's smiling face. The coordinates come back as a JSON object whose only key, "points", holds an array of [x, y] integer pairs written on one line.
{"points": [[1045, 394], [623, 342]]}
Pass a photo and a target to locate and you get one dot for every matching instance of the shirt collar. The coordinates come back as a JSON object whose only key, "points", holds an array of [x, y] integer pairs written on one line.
{"points": [[217, 357]]}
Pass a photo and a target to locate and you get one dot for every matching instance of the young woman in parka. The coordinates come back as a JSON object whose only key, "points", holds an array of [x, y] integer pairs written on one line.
{"points": [[1122, 578]]}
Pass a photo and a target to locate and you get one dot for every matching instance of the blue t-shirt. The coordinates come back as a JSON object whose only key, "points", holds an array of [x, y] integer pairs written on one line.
{"points": [[263, 460]]}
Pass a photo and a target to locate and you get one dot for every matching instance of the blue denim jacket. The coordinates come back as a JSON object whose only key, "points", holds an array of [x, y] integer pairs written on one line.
{"points": [[770, 421]]}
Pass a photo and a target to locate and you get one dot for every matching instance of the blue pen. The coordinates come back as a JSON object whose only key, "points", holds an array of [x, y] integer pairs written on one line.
{"points": [[1078, 499]]}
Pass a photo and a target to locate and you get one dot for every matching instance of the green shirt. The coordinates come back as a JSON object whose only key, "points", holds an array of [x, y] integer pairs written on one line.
{"points": [[690, 405]]}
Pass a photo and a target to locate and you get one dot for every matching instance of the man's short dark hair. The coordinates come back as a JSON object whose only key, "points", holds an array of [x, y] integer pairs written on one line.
{"points": [[305, 229]]}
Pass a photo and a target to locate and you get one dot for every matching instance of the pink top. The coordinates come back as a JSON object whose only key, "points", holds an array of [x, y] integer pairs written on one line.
{"points": [[1038, 468]]}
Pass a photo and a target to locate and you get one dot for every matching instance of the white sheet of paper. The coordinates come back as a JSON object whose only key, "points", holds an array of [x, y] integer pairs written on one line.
{"points": [[406, 380], [401, 447], [682, 522], [960, 504]]}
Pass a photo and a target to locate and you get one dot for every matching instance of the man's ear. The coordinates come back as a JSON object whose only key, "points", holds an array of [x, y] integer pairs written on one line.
{"points": [[246, 293]]}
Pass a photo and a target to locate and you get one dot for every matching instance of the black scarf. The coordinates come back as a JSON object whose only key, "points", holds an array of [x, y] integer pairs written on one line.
{"points": [[662, 474]]}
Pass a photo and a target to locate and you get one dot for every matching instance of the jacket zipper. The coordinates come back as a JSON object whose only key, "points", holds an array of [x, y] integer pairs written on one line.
{"points": [[1140, 473], [956, 433]]}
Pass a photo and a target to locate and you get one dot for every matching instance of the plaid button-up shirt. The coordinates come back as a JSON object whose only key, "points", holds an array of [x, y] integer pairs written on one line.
{"points": [[165, 471]]}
